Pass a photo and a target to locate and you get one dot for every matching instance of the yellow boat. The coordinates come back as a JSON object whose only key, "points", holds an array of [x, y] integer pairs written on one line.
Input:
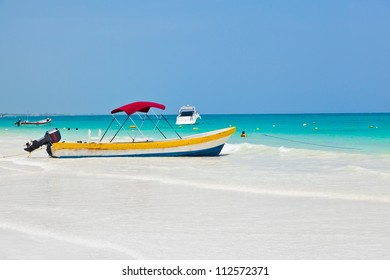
{"points": [[203, 144]]}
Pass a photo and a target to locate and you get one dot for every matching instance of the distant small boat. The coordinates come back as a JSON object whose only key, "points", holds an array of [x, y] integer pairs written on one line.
{"points": [[26, 122], [187, 115]]}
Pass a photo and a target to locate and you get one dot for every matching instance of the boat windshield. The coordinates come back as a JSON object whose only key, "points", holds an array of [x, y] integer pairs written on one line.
{"points": [[186, 113]]}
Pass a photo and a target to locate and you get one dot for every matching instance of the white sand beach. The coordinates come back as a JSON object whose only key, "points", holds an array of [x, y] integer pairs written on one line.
{"points": [[254, 202]]}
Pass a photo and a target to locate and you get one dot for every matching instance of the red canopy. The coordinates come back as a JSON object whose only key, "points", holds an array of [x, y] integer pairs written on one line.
{"points": [[142, 106]]}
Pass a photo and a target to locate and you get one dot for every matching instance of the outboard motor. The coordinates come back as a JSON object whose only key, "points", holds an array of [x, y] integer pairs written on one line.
{"points": [[50, 137]]}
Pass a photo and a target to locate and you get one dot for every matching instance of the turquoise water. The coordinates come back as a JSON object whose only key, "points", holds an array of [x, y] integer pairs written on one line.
{"points": [[365, 133], [293, 185]]}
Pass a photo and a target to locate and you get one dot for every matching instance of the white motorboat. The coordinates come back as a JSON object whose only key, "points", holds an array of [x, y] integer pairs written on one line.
{"points": [[187, 115]]}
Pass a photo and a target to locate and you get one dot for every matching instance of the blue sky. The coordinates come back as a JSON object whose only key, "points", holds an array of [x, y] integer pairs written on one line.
{"points": [[261, 56]]}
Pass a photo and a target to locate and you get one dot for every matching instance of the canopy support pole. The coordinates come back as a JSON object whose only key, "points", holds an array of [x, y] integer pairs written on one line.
{"points": [[171, 126], [155, 126], [113, 119], [138, 128], [126, 130], [119, 129]]}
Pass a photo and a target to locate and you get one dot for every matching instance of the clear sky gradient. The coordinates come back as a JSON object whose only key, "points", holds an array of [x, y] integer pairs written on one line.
{"points": [[260, 56]]}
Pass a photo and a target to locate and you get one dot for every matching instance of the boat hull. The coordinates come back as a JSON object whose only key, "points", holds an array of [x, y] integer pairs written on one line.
{"points": [[205, 144], [41, 122], [186, 120]]}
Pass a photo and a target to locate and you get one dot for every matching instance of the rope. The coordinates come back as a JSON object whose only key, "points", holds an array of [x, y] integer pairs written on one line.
{"points": [[17, 155], [312, 144]]}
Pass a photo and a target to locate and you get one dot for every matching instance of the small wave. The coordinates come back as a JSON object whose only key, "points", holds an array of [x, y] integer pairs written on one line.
{"points": [[284, 149], [85, 242], [246, 189], [285, 193], [246, 148], [254, 150], [258, 149], [365, 171]]}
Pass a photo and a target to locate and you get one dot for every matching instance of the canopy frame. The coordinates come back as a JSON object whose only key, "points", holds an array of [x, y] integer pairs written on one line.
{"points": [[137, 107]]}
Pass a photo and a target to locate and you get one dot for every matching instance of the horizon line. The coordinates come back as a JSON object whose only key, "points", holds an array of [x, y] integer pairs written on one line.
{"points": [[2, 115]]}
